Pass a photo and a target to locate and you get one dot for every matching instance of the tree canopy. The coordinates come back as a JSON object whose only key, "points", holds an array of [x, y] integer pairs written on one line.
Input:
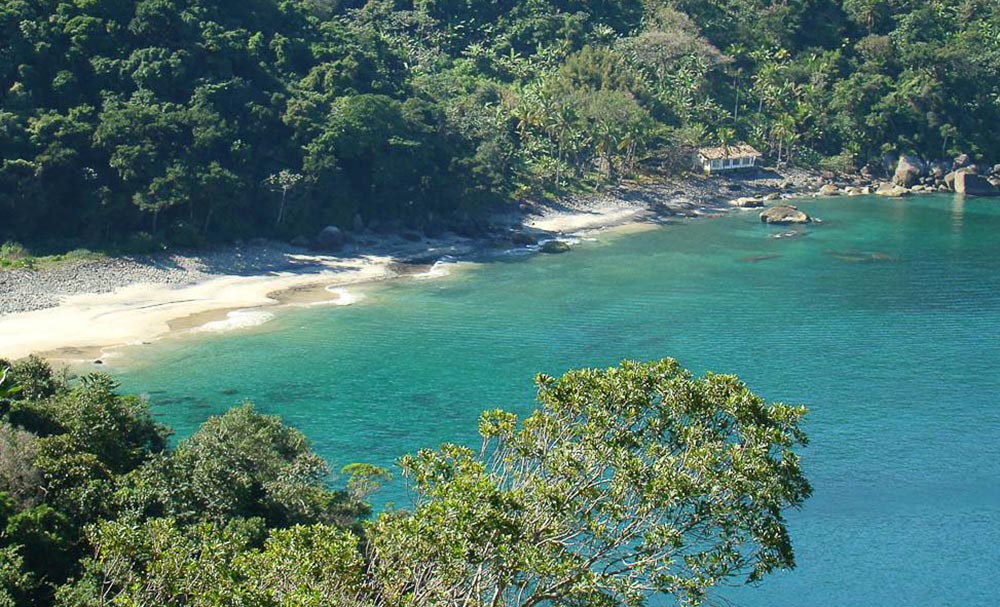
{"points": [[133, 123], [622, 484]]}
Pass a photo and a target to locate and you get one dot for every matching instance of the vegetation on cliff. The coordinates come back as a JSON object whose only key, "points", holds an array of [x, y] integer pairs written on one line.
{"points": [[185, 120]]}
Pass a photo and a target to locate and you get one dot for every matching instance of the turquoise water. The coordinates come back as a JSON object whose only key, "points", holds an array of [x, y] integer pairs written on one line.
{"points": [[884, 320]]}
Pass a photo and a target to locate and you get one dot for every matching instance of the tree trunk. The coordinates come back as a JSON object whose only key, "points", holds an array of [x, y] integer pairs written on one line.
{"points": [[281, 208]]}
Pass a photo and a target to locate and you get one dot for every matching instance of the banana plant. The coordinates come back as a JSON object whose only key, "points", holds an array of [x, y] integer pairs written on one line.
{"points": [[8, 389]]}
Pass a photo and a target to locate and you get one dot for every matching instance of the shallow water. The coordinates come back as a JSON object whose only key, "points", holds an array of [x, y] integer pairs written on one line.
{"points": [[883, 320]]}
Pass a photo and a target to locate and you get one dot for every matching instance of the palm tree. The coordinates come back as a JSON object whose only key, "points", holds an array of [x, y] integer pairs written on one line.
{"points": [[726, 136], [784, 132]]}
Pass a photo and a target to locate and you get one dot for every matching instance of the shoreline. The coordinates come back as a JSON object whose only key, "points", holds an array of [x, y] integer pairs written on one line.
{"points": [[240, 286]]}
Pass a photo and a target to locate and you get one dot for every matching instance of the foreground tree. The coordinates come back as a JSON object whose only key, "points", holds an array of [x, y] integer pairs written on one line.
{"points": [[625, 482]]}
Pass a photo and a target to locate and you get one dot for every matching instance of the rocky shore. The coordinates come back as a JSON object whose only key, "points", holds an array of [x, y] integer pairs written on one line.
{"points": [[23, 290], [87, 305]]}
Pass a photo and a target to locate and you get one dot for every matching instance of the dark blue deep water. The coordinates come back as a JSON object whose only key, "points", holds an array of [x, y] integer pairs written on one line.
{"points": [[884, 321]]}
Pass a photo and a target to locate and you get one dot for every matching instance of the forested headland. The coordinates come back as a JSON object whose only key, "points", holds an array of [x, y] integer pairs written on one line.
{"points": [[140, 122], [622, 483]]}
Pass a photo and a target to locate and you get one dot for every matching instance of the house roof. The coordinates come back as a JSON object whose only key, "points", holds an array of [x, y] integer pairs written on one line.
{"points": [[735, 151]]}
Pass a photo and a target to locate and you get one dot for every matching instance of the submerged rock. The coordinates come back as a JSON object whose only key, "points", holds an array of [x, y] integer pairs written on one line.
{"points": [[523, 238], [555, 246], [784, 214]]}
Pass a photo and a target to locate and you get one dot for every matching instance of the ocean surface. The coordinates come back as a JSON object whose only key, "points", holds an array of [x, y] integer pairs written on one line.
{"points": [[884, 320]]}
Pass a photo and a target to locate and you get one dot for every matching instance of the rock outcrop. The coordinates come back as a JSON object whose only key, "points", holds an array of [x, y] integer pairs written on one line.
{"points": [[973, 185], [829, 190], [908, 171], [784, 214]]}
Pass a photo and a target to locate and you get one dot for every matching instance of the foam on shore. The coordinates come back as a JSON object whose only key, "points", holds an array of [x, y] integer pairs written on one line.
{"points": [[439, 269], [235, 320], [344, 297]]}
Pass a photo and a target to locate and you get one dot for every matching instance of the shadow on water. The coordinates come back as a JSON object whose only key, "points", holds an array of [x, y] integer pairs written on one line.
{"points": [[757, 258], [863, 256]]}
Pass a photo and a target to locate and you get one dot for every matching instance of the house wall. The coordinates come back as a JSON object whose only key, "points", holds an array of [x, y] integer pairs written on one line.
{"points": [[727, 164]]}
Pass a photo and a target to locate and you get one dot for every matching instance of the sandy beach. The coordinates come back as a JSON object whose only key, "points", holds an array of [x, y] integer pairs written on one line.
{"points": [[85, 326], [83, 320]]}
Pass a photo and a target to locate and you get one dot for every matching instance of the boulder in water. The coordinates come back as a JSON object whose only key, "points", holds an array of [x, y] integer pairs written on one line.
{"points": [[523, 238], [747, 202], [555, 246], [829, 190], [973, 185], [784, 214], [892, 191]]}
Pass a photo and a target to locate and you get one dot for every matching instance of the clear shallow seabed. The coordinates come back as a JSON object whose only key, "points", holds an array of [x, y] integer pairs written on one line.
{"points": [[884, 320]]}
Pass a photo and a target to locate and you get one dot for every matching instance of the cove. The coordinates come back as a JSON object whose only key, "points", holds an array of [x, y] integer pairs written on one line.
{"points": [[884, 320]]}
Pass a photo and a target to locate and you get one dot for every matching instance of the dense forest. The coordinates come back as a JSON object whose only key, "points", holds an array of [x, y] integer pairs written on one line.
{"points": [[622, 483], [139, 122]]}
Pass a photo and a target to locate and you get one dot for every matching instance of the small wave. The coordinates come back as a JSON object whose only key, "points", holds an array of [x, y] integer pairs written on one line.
{"points": [[344, 297], [571, 241], [439, 269], [238, 319]]}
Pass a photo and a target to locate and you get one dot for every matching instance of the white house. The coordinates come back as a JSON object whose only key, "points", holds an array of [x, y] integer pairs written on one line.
{"points": [[714, 160]]}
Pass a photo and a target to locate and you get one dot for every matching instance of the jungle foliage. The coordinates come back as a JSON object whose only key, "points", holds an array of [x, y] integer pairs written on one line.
{"points": [[139, 122]]}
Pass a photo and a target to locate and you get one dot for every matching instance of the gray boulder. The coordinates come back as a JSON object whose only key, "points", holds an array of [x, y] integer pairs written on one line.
{"points": [[330, 238], [555, 246], [938, 170], [950, 178], [891, 190], [747, 202], [784, 214], [829, 190], [908, 171], [961, 161], [973, 185]]}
